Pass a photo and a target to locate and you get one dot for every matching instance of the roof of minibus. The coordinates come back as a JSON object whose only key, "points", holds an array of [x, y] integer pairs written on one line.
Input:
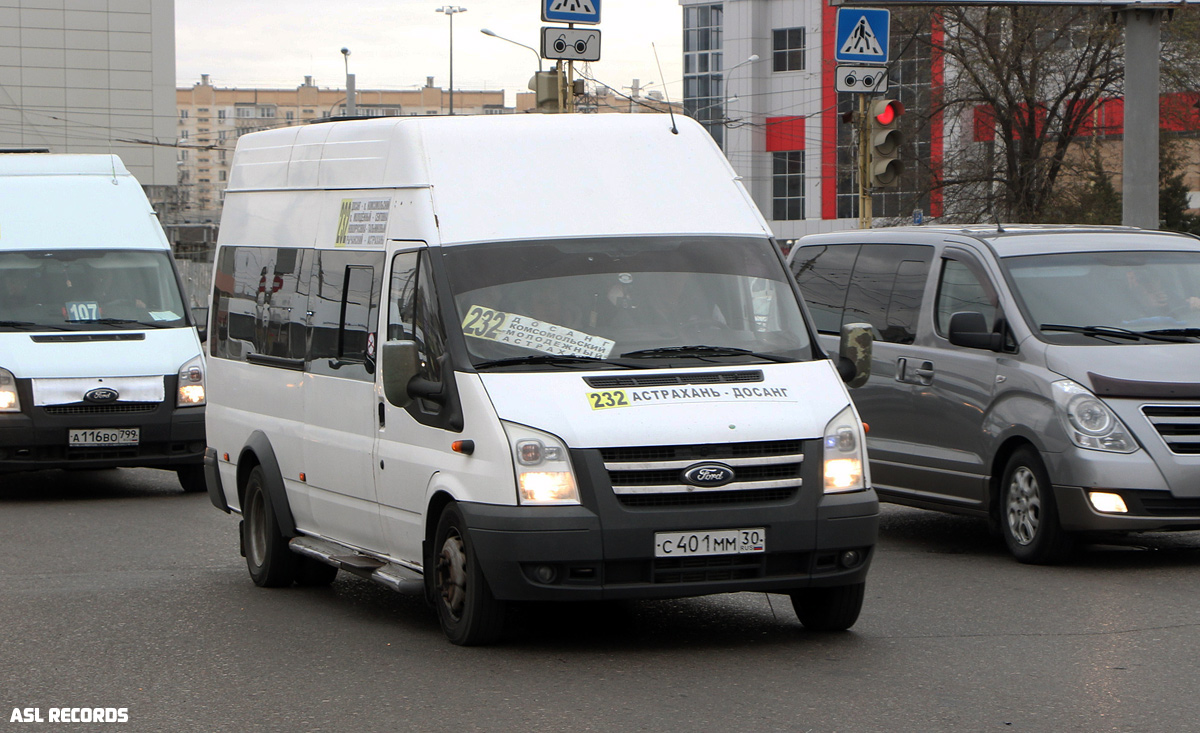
{"points": [[54, 201], [518, 176]]}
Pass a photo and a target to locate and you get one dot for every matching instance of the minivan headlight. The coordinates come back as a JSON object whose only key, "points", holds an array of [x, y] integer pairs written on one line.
{"points": [[1088, 421], [845, 453], [190, 391], [9, 400], [544, 473]]}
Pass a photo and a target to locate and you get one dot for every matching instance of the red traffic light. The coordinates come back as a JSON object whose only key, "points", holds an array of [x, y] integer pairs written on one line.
{"points": [[891, 110]]}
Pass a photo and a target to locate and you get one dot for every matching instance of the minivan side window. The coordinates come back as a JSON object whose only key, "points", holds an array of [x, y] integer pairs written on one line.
{"points": [[344, 301], [413, 315], [259, 297], [962, 287], [878, 284], [823, 274]]}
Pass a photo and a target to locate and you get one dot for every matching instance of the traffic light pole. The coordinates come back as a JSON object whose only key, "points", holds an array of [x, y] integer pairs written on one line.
{"points": [[864, 164]]}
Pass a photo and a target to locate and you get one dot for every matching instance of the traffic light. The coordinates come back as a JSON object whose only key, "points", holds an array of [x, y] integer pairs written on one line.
{"points": [[883, 119]]}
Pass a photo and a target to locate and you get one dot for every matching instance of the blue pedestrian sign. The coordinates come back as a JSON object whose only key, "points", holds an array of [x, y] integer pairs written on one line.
{"points": [[571, 11], [862, 36]]}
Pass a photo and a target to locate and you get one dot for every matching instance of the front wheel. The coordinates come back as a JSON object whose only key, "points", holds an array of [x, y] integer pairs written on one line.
{"points": [[1028, 514], [829, 609], [470, 615], [271, 563]]}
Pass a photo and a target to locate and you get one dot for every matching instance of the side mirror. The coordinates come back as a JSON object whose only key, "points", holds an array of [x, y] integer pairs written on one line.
{"points": [[970, 329], [854, 354], [200, 316], [400, 363]]}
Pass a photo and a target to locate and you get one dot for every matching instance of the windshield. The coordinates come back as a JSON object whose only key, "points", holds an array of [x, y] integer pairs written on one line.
{"points": [[1067, 296], [626, 299], [72, 290]]}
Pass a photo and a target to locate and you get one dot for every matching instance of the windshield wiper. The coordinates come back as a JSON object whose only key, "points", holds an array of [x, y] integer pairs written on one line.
{"points": [[555, 360], [1182, 332], [1111, 331], [31, 326], [701, 351], [116, 322]]}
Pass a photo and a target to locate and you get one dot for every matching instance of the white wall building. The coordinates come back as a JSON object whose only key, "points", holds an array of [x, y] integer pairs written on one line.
{"points": [[91, 76]]}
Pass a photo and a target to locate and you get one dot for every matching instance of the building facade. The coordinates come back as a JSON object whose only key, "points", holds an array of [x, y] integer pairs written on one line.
{"points": [[91, 76], [208, 121]]}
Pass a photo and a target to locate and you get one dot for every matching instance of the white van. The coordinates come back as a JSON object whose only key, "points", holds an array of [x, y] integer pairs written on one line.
{"points": [[529, 357], [100, 362]]}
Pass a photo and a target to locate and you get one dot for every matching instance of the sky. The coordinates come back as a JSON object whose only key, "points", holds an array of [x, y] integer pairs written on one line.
{"points": [[396, 44]]}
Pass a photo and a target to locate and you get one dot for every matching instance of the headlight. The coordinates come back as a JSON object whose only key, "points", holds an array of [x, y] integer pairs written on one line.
{"points": [[191, 384], [9, 401], [544, 474], [845, 454], [1089, 422]]}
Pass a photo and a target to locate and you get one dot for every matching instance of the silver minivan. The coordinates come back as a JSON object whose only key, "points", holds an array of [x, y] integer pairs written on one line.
{"points": [[1044, 377]]}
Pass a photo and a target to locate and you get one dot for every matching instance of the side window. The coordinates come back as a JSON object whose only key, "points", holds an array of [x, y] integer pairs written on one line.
{"points": [[963, 287], [260, 302], [344, 301], [413, 314], [885, 289], [823, 273]]}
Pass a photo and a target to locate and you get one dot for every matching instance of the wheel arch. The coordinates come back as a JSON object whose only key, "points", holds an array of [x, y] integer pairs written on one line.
{"points": [[258, 452], [437, 502]]}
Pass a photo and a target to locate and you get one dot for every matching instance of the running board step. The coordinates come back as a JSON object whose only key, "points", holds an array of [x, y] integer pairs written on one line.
{"points": [[394, 575]]}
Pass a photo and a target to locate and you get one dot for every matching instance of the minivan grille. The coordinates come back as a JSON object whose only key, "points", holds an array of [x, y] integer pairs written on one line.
{"points": [[116, 408], [1179, 426], [767, 471]]}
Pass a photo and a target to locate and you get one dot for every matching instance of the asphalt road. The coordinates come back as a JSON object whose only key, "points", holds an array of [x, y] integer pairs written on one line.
{"points": [[118, 591]]}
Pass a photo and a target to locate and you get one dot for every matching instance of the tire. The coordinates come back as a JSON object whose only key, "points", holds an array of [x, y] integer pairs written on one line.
{"points": [[1028, 514], [271, 563], [829, 609], [191, 478], [313, 573], [469, 614]]}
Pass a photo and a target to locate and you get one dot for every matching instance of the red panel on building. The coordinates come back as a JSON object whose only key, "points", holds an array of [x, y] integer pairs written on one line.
{"points": [[785, 133]]}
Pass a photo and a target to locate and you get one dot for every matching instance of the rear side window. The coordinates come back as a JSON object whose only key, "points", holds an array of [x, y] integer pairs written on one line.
{"points": [[344, 301], [260, 296], [877, 284]]}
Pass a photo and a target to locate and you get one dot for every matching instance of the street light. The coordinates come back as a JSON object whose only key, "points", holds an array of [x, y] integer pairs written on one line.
{"points": [[487, 32], [450, 10], [351, 97], [725, 89]]}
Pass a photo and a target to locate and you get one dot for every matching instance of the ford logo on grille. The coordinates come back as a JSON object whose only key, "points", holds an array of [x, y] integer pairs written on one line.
{"points": [[708, 475], [102, 394]]}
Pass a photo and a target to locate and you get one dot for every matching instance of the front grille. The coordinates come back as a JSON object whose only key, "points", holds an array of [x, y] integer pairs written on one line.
{"points": [[708, 569], [668, 380], [1179, 426], [653, 476], [116, 408]]}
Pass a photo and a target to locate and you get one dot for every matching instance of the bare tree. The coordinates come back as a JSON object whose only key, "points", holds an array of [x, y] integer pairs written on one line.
{"points": [[1021, 85]]}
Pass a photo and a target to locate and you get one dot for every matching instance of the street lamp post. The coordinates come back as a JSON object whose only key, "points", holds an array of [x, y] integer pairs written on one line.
{"points": [[450, 10], [351, 96], [725, 92], [487, 32]]}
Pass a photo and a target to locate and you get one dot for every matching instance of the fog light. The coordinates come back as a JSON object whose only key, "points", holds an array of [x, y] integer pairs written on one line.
{"points": [[1108, 502], [545, 574], [850, 558]]}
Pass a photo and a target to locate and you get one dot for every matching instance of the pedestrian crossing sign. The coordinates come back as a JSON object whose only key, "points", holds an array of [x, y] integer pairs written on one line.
{"points": [[862, 35], [571, 11]]}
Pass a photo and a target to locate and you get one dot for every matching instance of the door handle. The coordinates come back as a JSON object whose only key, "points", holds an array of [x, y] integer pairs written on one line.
{"points": [[382, 420], [924, 373]]}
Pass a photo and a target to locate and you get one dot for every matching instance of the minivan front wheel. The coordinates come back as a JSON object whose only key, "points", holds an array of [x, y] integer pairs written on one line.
{"points": [[1028, 514], [470, 615]]}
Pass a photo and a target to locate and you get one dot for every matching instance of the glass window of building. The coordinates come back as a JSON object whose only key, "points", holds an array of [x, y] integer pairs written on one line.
{"points": [[703, 82], [788, 49], [787, 181]]}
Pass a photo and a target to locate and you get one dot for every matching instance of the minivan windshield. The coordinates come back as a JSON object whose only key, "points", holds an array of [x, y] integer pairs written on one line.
{"points": [[625, 302], [88, 289], [1110, 297]]}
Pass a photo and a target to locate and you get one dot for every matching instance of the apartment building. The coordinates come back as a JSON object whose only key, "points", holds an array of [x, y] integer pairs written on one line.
{"points": [[209, 120]]}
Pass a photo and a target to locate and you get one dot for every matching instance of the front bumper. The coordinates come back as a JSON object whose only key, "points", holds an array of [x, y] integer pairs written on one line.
{"points": [[605, 550], [1149, 510], [36, 438]]}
